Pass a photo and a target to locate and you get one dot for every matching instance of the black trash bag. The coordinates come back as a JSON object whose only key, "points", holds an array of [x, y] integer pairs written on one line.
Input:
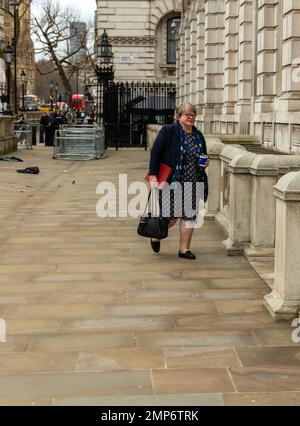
{"points": [[30, 170], [11, 159]]}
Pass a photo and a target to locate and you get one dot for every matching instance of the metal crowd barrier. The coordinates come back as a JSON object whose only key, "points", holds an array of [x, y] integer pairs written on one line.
{"points": [[79, 142], [23, 133]]}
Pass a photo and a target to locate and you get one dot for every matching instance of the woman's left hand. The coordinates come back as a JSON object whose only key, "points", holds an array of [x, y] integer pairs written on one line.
{"points": [[206, 164]]}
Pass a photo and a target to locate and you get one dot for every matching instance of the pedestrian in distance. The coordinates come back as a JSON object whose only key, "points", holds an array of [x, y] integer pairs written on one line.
{"points": [[44, 122], [20, 127], [182, 147], [21, 119]]}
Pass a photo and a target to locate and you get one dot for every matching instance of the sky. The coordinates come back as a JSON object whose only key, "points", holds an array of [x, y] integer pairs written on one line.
{"points": [[86, 8]]}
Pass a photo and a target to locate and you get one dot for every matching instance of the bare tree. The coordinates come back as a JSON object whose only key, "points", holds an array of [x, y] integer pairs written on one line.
{"points": [[43, 81], [53, 32]]}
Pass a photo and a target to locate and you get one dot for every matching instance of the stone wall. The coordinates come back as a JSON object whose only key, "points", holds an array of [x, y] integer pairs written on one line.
{"points": [[8, 142]]}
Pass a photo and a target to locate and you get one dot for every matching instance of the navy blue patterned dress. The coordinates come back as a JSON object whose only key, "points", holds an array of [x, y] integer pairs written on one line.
{"points": [[184, 203]]}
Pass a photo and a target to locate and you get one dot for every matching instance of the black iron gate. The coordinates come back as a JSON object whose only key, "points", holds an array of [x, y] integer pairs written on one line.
{"points": [[127, 107]]}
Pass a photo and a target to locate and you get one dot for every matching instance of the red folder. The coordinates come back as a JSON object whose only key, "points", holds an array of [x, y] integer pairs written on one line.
{"points": [[163, 175]]}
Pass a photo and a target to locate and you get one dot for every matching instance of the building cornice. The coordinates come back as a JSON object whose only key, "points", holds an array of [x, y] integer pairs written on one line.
{"points": [[129, 41]]}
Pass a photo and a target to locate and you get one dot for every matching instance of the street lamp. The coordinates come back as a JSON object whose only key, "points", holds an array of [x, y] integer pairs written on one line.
{"points": [[104, 52], [56, 94], [24, 80], [104, 71], [15, 4], [51, 94], [8, 57]]}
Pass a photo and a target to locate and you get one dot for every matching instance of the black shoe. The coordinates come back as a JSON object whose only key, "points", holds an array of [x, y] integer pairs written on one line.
{"points": [[187, 255], [155, 246]]}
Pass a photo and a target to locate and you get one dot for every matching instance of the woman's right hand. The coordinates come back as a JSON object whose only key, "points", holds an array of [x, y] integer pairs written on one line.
{"points": [[152, 180]]}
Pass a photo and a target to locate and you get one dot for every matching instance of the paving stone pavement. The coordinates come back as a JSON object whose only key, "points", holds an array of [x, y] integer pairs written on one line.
{"points": [[94, 317]]}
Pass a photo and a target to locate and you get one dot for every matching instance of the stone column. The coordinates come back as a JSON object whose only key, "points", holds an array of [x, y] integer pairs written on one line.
{"points": [[193, 55], [284, 301], [180, 68], [213, 61], [239, 204], [178, 62], [267, 28], [290, 99], [214, 147], [264, 170], [231, 55], [187, 60], [8, 141], [243, 107], [200, 57]]}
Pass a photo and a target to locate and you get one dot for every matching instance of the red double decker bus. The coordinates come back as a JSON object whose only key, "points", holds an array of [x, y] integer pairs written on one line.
{"points": [[78, 102]]}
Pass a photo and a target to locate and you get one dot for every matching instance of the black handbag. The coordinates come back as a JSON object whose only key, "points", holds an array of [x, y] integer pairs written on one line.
{"points": [[153, 226]]}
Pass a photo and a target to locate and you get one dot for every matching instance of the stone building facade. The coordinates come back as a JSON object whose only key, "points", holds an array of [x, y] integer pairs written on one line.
{"points": [[142, 37], [239, 62], [25, 48], [26, 55]]}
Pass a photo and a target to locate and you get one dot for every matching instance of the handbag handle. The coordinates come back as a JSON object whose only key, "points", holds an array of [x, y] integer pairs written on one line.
{"points": [[154, 203]]}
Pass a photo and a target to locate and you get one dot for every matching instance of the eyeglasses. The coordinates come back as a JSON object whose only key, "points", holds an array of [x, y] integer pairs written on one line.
{"points": [[189, 115]]}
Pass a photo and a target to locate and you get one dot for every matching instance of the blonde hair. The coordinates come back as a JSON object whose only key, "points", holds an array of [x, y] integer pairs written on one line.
{"points": [[185, 107]]}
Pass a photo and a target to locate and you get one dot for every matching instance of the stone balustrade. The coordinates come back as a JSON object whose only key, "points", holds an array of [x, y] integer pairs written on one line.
{"points": [[236, 196], [284, 301], [241, 200], [152, 132], [8, 142]]}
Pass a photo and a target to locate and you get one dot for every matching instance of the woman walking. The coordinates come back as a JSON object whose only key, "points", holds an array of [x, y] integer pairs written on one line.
{"points": [[180, 146]]}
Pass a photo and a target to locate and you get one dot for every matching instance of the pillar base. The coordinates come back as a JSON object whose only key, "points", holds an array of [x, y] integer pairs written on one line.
{"points": [[279, 309], [228, 108], [288, 102], [208, 113], [263, 104], [253, 253], [222, 221], [210, 215], [243, 110], [233, 248]]}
